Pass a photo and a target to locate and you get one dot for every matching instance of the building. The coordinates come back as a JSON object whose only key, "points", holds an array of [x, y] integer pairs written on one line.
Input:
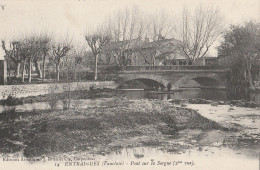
{"points": [[172, 58], [207, 61], [145, 53]]}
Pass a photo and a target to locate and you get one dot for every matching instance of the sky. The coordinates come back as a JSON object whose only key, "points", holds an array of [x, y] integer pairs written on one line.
{"points": [[75, 17]]}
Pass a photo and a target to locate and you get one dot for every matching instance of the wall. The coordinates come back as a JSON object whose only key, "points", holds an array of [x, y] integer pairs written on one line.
{"points": [[19, 91]]}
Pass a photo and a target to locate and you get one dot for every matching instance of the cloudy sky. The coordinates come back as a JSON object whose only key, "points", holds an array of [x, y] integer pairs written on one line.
{"points": [[60, 17]]}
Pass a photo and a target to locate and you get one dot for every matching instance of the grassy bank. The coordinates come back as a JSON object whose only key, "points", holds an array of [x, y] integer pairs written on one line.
{"points": [[118, 124], [79, 94]]}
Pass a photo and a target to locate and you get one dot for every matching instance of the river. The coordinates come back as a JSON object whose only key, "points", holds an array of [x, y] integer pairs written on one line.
{"points": [[136, 94], [207, 151], [209, 94]]}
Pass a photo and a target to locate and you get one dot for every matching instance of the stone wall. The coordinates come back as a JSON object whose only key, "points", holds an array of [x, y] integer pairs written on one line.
{"points": [[19, 91]]}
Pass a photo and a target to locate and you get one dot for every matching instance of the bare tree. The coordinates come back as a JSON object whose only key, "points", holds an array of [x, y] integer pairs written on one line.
{"points": [[37, 55], [14, 53], [24, 54], [197, 32], [31, 49], [78, 57], [126, 28], [45, 48], [160, 26], [96, 41], [73, 63], [148, 51], [22, 50], [59, 50]]}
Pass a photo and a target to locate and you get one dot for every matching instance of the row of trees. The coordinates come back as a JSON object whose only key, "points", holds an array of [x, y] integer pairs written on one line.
{"points": [[120, 34], [123, 34], [195, 33], [35, 49]]}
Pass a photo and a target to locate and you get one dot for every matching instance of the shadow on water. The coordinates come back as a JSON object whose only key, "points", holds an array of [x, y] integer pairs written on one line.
{"points": [[208, 94], [134, 94]]}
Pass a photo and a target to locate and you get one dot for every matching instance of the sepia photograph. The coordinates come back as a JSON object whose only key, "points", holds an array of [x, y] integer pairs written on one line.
{"points": [[130, 84]]}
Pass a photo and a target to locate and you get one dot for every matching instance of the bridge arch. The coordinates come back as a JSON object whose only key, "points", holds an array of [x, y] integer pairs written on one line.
{"points": [[204, 79], [129, 77]]}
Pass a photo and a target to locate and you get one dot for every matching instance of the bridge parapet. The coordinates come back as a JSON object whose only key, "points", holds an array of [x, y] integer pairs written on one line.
{"points": [[167, 68]]}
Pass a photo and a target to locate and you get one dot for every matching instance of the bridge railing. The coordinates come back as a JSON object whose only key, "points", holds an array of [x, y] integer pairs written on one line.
{"points": [[189, 67]]}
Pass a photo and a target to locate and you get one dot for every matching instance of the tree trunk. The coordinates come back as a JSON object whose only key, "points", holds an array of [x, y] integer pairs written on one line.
{"points": [[23, 72], [43, 69], [8, 69], [153, 60], [30, 71], [116, 59], [95, 67], [250, 78], [75, 74], [58, 71], [67, 73], [17, 74], [38, 69]]}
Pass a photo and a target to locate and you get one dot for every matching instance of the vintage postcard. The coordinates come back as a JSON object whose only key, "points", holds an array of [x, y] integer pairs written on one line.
{"points": [[130, 84]]}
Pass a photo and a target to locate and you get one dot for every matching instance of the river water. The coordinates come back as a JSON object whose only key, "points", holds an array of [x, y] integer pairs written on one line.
{"points": [[209, 94], [135, 94], [212, 156]]}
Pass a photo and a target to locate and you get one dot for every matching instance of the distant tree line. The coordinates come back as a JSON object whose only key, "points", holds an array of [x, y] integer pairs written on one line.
{"points": [[32, 50], [123, 34], [117, 37]]}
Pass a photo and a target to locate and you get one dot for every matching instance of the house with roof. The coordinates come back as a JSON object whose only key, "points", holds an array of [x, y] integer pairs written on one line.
{"points": [[172, 58], [145, 53]]}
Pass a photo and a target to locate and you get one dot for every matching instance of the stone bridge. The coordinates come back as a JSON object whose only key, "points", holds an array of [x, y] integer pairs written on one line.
{"points": [[205, 76]]}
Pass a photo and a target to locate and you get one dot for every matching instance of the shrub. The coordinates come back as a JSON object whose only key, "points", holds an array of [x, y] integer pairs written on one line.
{"points": [[8, 115], [66, 104], [53, 100], [12, 101]]}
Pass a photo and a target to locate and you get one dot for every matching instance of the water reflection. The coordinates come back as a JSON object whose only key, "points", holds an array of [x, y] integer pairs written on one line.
{"points": [[185, 94], [209, 94], [202, 159]]}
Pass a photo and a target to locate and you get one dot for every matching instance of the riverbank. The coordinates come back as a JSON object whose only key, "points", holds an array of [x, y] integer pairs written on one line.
{"points": [[180, 96], [54, 97], [247, 120], [118, 129], [101, 130], [238, 103], [28, 90]]}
